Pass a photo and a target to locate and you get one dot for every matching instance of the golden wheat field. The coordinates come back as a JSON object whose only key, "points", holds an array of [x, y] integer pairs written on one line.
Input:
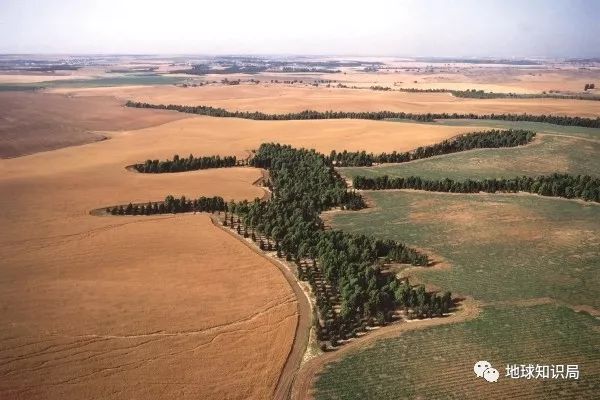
{"points": [[95, 303], [282, 99]]}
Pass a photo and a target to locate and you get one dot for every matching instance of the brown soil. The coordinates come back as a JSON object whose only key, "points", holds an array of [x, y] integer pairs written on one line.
{"points": [[33, 122]]}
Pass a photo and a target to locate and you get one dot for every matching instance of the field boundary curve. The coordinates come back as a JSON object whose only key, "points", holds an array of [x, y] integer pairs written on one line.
{"points": [[302, 389], [301, 336], [554, 198]]}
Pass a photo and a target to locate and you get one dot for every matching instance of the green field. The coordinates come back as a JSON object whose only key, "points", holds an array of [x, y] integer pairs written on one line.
{"points": [[590, 133], [437, 363], [547, 154], [501, 247], [104, 81]]}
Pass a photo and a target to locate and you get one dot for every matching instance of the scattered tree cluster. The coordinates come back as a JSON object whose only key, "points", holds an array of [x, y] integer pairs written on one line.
{"points": [[381, 88], [337, 264], [190, 163], [589, 86], [171, 205], [232, 82], [556, 185], [308, 69], [476, 140], [372, 115]]}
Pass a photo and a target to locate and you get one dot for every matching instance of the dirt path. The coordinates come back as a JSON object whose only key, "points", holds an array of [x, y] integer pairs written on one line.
{"points": [[306, 377], [482, 194], [290, 369]]}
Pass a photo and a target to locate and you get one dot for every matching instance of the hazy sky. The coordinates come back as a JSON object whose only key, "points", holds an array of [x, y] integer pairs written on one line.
{"points": [[547, 28]]}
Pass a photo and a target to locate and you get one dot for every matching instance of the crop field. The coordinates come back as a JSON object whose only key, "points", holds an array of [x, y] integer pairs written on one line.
{"points": [[82, 284], [281, 99], [579, 131], [113, 80], [548, 153], [34, 122], [500, 247], [174, 303], [139, 306], [238, 136], [437, 363]]}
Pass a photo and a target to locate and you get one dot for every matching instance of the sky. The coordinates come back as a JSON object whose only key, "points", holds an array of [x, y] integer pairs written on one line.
{"points": [[443, 28]]}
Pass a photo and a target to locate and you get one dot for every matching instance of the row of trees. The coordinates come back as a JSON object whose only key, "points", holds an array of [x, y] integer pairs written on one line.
{"points": [[190, 163], [557, 185], [304, 184], [475, 140], [171, 205], [372, 115], [481, 94]]}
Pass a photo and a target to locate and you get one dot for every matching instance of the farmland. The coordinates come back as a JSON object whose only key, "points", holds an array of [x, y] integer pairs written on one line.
{"points": [[37, 122], [530, 261], [93, 304], [438, 362], [548, 153], [500, 247], [281, 99], [169, 305]]}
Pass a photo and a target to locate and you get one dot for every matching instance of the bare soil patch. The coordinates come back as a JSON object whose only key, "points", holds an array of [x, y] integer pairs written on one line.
{"points": [[33, 122]]}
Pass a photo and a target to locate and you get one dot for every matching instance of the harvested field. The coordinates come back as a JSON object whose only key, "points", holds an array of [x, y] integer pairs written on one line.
{"points": [[38, 77], [83, 291], [132, 307], [33, 122], [490, 78], [232, 136], [280, 99]]}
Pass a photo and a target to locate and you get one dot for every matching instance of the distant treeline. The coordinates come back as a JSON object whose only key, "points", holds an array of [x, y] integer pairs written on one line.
{"points": [[308, 69], [479, 61], [204, 69], [476, 140], [190, 163], [171, 205], [556, 185], [369, 115], [480, 94]]}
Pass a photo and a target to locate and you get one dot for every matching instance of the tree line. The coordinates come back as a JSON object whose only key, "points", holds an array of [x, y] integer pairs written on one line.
{"points": [[369, 115], [568, 186], [481, 94], [476, 140], [171, 205], [190, 163], [304, 184]]}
